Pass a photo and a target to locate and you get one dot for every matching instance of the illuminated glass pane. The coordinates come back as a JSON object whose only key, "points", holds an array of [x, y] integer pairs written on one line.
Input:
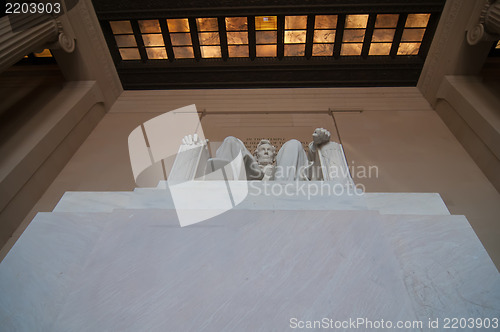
{"points": [[125, 40], [296, 22], [498, 46], [178, 25], [413, 34], [295, 50], [207, 24], [209, 38], [130, 54], [408, 48], [236, 24], [238, 51], [356, 21], [417, 20], [325, 22], [156, 53], [322, 49], [183, 52], [351, 49], [121, 27], [380, 49], [150, 26], [355, 35], [295, 37], [210, 51], [324, 36], [43, 54], [386, 20], [153, 40], [383, 35], [266, 22], [265, 50], [265, 37], [180, 38], [237, 38]]}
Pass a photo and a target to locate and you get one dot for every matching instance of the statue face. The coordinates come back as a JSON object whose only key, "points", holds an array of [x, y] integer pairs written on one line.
{"points": [[316, 135], [265, 154]]}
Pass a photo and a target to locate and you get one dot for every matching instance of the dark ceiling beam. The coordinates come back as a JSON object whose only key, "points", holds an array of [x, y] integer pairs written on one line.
{"points": [[128, 9], [161, 78]]}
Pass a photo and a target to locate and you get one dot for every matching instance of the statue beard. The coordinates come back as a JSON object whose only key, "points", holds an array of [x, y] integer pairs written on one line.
{"points": [[265, 160]]}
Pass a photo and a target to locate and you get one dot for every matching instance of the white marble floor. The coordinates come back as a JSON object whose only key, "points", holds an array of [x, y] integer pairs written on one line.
{"points": [[244, 270]]}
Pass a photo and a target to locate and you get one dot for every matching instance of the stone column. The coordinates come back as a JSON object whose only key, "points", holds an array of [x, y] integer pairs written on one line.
{"points": [[21, 34]]}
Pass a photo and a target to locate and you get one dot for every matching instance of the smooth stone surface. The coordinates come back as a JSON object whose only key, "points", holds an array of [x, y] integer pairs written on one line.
{"points": [[261, 195], [238, 271], [448, 273], [243, 270], [39, 272], [406, 203]]}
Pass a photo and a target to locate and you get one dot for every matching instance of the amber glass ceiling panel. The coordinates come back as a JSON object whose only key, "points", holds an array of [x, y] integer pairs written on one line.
{"points": [[266, 37], [417, 20], [350, 49], [408, 48], [266, 22], [130, 54], [386, 21], [296, 22], [207, 24], [237, 37], [354, 35], [210, 51], [208, 36], [324, 35], [383, 35], [236, 24], [325, 22], [149, 26], [294, 39], [322, 49], [380, 49], [125, 41], [265, 27], [153, 40], [178, 25], [121, 27], [295, 33], [413, 35], [356, 21], [156, 53], [266, 50]]}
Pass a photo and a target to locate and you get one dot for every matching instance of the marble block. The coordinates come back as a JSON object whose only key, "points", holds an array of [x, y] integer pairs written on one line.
{"points": [[406, 203], [260, 195], [239, 271], [244, 270], [448, 273]]}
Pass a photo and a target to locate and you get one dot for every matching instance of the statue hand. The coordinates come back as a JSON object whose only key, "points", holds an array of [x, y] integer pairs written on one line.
{"points": [[268, 170], [193, 140], [320, 136]]}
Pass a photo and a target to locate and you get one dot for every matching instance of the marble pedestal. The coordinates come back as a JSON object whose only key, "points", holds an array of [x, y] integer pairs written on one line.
{"points": [[244, 270]]}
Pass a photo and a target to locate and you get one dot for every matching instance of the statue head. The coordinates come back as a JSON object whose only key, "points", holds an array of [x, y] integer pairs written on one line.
{"points": [[265, 152]]}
